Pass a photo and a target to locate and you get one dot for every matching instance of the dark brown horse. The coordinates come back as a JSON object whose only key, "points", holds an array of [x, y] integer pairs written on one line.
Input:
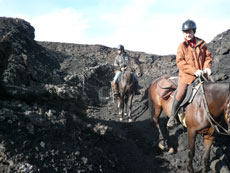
{"points": [[210, 104], [127, 87]]}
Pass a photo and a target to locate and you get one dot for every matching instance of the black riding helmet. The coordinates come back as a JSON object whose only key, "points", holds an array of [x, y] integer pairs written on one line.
{"points": [[121, 47], [189, 24]]}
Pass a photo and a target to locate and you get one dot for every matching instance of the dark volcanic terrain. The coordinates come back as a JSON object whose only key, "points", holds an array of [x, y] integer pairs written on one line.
{"points": [[57, 113]]}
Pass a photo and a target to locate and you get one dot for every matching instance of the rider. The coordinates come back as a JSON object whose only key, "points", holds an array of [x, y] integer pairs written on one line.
{"points": [[123, 62], [193, 59]]}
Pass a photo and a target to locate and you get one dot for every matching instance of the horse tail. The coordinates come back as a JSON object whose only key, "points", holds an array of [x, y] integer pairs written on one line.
{"points": [[150, 105]]}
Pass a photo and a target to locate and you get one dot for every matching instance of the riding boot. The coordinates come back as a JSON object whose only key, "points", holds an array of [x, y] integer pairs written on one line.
{"points": [[172, 121], [115, 89], [137, 92]]}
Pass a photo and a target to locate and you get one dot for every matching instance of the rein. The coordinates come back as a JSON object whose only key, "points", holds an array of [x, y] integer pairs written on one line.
{"points": [[211, 120]]}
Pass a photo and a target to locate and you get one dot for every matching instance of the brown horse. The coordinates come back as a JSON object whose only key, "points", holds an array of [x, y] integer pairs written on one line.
{"points": [[202, 115], [127, 87]]}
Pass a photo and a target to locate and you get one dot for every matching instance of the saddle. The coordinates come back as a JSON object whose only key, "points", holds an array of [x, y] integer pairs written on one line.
{"points": [[168, 85]]}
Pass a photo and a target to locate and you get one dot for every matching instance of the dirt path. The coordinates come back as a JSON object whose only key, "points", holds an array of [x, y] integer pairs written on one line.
{"points": [[139, 152]]}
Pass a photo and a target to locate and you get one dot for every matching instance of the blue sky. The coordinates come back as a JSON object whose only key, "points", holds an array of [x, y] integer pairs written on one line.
{"points": [[152, 26]]}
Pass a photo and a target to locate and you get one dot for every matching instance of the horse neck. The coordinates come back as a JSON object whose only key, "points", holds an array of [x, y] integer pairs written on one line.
{"points": [[126, 78], [219, 91], [126, 75]]}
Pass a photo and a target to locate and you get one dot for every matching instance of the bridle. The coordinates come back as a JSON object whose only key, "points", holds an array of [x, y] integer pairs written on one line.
{"points": [[211, 120]]}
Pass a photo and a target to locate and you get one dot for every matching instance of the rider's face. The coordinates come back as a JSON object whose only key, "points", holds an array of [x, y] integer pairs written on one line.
{"points": [[189, 34], [118, 52]]}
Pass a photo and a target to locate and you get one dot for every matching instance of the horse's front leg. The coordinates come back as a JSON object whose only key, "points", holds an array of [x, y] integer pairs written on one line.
{"points": [[191, 145], [125, 106], [119, 102], [208, 140], [121, 108], [130, 101]]}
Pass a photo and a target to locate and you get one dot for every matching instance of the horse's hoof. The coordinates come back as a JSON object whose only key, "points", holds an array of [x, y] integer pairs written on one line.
{"points": [[162, 147], [171, 150], [130, 120]]}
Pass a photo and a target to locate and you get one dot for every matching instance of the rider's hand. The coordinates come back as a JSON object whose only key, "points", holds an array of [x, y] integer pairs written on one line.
{"points": [[207, 71], [198, 73], [123, 68]]}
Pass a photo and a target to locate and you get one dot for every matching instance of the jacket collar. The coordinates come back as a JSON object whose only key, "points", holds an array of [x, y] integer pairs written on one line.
{"points": [[199, 42]]}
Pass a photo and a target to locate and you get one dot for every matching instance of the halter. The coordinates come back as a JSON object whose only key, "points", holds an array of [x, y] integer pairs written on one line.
{"points": [[211, 120]]}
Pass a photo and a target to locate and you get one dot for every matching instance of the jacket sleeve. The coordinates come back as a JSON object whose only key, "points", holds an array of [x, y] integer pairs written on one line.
{"points": [[208, 59], [116, 63], [181, 62]]}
